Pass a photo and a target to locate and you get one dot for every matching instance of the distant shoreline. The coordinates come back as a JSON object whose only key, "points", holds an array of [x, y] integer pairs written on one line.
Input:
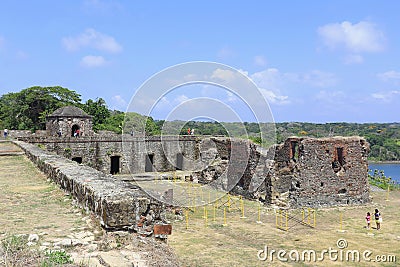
{"points": [[384, 162]]}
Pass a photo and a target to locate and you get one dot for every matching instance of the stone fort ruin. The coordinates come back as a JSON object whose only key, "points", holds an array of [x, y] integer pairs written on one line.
{"points": [[304, 171], [65, 121]]}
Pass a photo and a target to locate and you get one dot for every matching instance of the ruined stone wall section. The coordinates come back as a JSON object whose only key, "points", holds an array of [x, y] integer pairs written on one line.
{"points": [[300, 172], [117, 204], [325, 172]]}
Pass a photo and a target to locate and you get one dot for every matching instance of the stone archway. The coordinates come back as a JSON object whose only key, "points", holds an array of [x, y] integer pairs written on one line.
{"points": [[74, 128]]}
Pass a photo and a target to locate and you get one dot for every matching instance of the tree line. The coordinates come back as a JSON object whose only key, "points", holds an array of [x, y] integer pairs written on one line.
{"points": [[27, 110]]}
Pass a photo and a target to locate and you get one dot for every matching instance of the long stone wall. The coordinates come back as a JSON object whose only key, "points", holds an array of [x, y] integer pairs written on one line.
{"points": [[131, 152], [118, 205], [299, 172]]}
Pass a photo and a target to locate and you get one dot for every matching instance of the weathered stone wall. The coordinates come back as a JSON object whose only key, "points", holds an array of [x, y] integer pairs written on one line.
{"points": [[65, 125], [118, 205], [325, 171], [18, 133], [97, 151], [300, 172]]}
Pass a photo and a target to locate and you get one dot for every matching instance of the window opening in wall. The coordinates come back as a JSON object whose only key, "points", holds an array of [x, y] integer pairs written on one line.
{"points": [[115, 164], [338, 161], [179, 161], [294, 151], [77, 159], [149, 163], [342, 191], [340, 157], [75, 130]]}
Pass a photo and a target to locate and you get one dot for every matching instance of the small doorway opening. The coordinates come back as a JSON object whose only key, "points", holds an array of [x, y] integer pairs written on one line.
{"points": [[115, 162], [340, 157], [77, 159], [179, 161], [75, 129], [149, 163], [294, 151]]}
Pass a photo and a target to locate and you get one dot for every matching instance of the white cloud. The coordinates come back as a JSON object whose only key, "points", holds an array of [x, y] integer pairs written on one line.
{"points": [[224, 75], [353, 59], [331, 96], [118, 102], [360, 37], [231, 97], [273, 82], [274, 98], [181, 98], [267, 78], [270, 82], [389, 76], [163, 101], [92, 39], [260, 61], [385, 96], [93, 61]]}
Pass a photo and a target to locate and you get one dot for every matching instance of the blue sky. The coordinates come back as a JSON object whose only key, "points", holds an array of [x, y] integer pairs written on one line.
{"points": [[315, 61]]}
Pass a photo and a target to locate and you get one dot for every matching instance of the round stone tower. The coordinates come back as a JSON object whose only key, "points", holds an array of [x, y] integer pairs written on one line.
{"points": [[69, 121]]}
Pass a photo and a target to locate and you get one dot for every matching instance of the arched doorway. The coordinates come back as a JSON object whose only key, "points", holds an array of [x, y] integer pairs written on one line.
{"points": [[115, 162], [75, 127], [77, 159]]}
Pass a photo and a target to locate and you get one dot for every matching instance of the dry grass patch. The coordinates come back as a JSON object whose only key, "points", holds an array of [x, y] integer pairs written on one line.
{"points": [[238, 243], [29, 203]]}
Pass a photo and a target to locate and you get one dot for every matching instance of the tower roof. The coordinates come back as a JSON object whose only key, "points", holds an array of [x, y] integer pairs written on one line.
{"points": [[69, 111]]}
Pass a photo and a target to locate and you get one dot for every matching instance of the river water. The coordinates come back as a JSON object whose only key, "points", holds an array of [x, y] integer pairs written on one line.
{"points": [[390, 169]]}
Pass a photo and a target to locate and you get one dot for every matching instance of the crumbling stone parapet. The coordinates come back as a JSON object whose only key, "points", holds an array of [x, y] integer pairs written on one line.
{"points": [[117, 204]]}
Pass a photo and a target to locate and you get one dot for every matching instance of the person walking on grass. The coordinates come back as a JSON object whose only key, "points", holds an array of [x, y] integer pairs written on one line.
{"points": [[378, 219]]}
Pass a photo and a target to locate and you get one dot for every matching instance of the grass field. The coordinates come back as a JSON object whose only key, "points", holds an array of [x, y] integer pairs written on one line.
{"points": [[201, 243], [30, 204]]}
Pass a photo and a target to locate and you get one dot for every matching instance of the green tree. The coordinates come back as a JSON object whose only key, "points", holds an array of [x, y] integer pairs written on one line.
{"points": [[98, 109], [113, 123], [27, 109]]}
